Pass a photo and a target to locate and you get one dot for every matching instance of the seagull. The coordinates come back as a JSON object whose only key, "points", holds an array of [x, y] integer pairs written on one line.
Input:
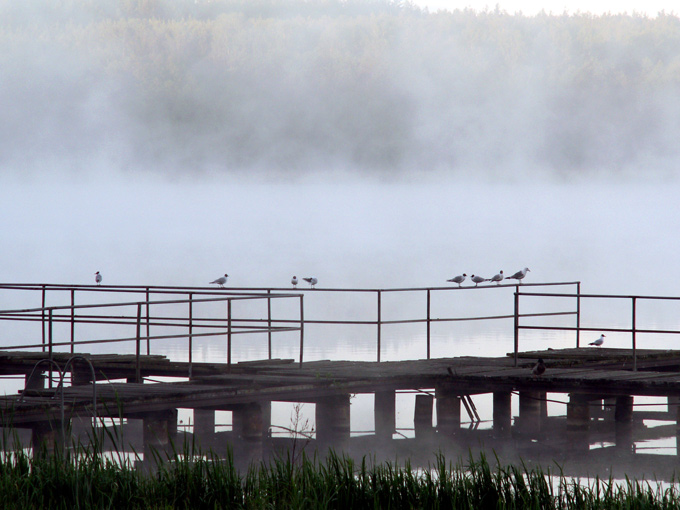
{"points": [[539, 368], [519, 275], [98, 278], [311, 280], [598, 342], [294, 282], [477, 279], [497, 278], [221, 280], [458, 279]]}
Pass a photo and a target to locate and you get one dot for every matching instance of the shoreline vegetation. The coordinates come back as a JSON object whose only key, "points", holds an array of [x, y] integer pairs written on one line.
{"points": [[83, 478], [378, 87]]}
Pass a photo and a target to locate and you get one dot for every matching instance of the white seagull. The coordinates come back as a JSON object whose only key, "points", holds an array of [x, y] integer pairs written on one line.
{"points": [[497, 278], [294, 281], [98, 278], [519, 275], [458, 279], [221, 280], [311, 280], [477, 279], [598, 342]]}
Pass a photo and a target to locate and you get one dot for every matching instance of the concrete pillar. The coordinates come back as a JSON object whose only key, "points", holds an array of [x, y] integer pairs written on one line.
{"points": [[159, 428], [448, 412], [578, 422], [204, 423], [247, 422], [46, 437], [332, 421], [502, 413], [530, 413], [609, 408], [385, 414], [422, 419], [623, 416], [673, 404], [80, 374]]}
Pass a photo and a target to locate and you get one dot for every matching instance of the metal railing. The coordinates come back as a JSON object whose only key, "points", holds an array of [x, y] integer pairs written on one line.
{"points": [[633, 330], [116, 314]]}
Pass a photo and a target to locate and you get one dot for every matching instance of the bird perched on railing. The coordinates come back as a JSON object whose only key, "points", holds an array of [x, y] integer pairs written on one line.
{"points": [[311, 280], [294, 281], [477, 279], [497, 278], [98, 278], [519, 275], [458, 279], [539, 368], [598, 342], [221, 280]]}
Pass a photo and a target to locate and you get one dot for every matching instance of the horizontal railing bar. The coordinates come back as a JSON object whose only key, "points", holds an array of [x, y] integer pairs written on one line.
{"points": [[612, 330], [599, 296]]}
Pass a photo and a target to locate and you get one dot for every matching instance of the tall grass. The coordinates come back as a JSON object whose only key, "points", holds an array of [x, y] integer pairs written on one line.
{"points": [[81, 478]]}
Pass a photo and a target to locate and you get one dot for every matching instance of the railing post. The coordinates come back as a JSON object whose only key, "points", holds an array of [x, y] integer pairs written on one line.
{"points": [[43, 318], [191, 332], [578, 315], [148, 324], [269, 323], [379, 323], [73, 319], [516, 323], [229, 334], [49, 345], [302, 326], [633, 331], [138, 366], [428, 323]]}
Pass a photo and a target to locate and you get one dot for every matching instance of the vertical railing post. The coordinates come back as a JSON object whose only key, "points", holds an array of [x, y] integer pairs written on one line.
{"points": [[148, 324], [49, 344], [633, 331], [73, 320], [138, 365], [191, 332], [269, 323], [578, 315], [43, 318], [516, 323], [379, 324], [229, 334], [302, 327], [428, 323]]}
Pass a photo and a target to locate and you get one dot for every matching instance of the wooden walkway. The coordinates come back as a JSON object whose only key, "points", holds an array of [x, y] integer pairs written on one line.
{"points": [[602, 372]]}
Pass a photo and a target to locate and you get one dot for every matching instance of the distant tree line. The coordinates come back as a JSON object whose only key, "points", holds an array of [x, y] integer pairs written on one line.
{"points": [[301, 85]]}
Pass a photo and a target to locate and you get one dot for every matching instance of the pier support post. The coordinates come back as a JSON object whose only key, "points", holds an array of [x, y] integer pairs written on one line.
{"points": [[37, 382], [530, 412], [623, 416], [502, 413], [448, 412], [332, 421], [673, 405], [385, 414], [247, 423], [578, 422], [422, 419], [204, 424], [159, 428], [46, 437]]}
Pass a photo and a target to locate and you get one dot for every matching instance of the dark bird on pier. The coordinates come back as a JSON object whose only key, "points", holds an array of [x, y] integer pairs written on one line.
{"points": [[98, 278], [539, 368], [598, 342], [519, 275], [311, 280], [221, 280], [458, 279]]}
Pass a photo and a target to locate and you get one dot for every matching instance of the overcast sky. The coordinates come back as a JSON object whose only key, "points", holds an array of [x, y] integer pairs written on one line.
{"points": [[531, 7]]}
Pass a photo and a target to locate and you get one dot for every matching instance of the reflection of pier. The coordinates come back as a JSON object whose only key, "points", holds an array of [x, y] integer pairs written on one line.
{"points": [[597, 386]]}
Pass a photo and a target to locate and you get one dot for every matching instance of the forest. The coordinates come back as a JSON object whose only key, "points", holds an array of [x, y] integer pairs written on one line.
{"points": [[312, 86]]}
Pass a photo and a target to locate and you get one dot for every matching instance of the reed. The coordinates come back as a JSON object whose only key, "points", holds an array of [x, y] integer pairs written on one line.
{"points": [[80, 477]]}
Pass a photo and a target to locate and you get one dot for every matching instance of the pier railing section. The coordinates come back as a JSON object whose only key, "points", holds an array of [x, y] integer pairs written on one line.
{"points": [[630, 301], [146, 317]]}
